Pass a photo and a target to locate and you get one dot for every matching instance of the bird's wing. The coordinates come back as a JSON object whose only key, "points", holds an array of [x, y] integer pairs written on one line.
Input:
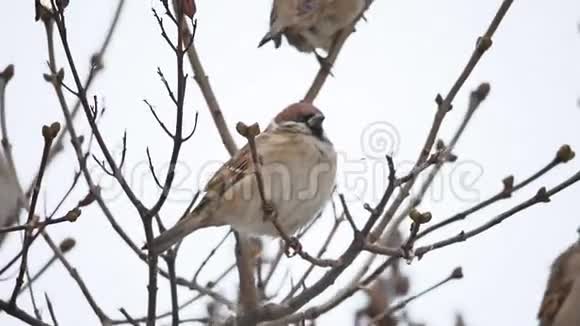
{"points": [[230, 172], [552, 302], [558, 288]]}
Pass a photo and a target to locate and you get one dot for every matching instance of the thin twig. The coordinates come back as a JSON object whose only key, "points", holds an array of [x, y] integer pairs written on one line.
{"points": [[94, 190], [278, 257], [130, 319], [202, 81], [186, 138], [35, 225], [65, 246], [337, 45], [382, 250], [146, 214], [313, 312], [170, 260], [319, 254], [49, 133], [96, 66], [159, 120], [507, 190], [103, 318], [181, 306], [21, 314], [77, 146], [163, 33], [210, 255], [443, 106], [152, 169], [82, 95], [542, 196], [50, 309], [166, 84], [476, 98], [32, 296], [456, 274], [73, 214]]}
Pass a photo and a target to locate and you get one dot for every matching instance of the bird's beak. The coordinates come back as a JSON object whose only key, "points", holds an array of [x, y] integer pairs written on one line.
{"points": [[316, 121], [267, 38]]}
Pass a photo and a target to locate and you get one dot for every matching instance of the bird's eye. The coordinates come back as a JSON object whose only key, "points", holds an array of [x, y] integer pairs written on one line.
{"points": [[307, 117]]}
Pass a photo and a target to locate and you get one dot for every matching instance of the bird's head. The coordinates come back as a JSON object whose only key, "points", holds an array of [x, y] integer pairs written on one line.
{"points": [[302, 118]]}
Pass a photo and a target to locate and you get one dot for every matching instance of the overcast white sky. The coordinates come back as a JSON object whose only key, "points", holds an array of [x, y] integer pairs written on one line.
{"points": [[387, 75]]}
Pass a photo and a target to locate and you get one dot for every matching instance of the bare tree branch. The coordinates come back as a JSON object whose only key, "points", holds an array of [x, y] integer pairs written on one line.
{"points": [[507, 190], [203, 82], [65, 246], [48, 133], [21, 314], [103, 318], [96, 66], [456, 274], [443, 106], [69, 217], [50, 309], [94, 190], [170, 260], [324, 70], [542, 196]]}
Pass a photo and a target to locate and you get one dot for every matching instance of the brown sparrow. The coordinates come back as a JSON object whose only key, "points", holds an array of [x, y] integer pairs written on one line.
{"points": [[561, 303], [298, 166], [310, 24]]}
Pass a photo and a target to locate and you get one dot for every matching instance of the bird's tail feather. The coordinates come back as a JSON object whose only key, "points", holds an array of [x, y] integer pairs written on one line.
{"points": [[171, 236]]}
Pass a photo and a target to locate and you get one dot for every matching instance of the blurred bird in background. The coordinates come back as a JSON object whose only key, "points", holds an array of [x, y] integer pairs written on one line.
{"points": [[9, 188], [309, 25], [9, 195], [561, 303]]}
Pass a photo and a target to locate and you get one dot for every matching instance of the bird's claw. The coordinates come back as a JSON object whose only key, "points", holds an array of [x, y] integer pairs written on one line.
{"points": [[293, 246]]}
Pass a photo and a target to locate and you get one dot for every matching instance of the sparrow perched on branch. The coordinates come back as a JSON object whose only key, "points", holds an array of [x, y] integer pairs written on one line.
{"points": [[561, 303], [298, 168], [311, 24]]}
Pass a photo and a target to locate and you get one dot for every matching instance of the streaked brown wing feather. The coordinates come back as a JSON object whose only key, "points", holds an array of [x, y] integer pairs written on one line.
{"points": [[557, 289], [552, 302], [230, 172], [227, 175]]}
